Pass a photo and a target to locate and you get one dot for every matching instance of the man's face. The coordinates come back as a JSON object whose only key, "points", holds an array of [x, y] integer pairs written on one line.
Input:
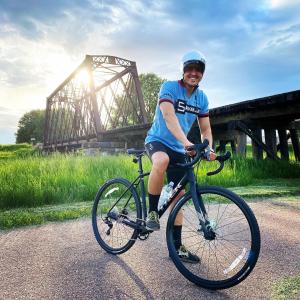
{"points": [[192, 75]]}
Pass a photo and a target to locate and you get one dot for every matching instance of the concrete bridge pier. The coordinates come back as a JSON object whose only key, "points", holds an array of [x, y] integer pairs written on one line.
{"points": [[270, 141], [257, 150], [295, 143], [283, 143], [241, 143], [237, 141]]}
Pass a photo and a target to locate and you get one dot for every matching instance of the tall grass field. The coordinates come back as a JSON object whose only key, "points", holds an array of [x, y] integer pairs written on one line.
{"points": [[17, 150], [34, 181]]}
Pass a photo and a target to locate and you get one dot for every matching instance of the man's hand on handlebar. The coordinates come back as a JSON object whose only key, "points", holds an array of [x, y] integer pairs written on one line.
{"points": [[201, 150], [210, 154], [189, 152]]}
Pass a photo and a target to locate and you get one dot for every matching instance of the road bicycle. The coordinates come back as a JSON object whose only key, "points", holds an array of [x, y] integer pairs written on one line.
{"points": [[218, 225]]}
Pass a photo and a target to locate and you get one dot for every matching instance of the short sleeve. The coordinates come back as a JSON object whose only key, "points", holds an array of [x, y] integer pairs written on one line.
{"points": [[204, 111], [166, 93]]}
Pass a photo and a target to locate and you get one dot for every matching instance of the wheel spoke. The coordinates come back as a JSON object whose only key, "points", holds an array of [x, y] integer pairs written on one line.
{"points": [[223, 256], [230, 223], [116, 197]]}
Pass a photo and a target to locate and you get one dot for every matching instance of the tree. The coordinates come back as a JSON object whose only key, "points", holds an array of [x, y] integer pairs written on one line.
{"points": [[150, 84], [31, 125]]}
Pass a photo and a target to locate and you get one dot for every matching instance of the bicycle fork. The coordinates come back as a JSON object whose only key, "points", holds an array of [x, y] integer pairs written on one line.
{"points": [[204, 222]]}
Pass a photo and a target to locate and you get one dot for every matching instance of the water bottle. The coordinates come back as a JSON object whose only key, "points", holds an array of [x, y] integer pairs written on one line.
{"points": [[165, 194]]}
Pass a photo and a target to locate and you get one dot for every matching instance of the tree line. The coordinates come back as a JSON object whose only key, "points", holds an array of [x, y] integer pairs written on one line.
{"points": [[31, 124]]}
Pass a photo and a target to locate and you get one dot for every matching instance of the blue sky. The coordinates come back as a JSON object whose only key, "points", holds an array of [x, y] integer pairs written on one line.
{"points": [[252, 47]]}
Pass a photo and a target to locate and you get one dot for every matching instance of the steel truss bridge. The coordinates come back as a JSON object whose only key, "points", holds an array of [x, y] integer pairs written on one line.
{"points": [[102, 94], [101, 105]]}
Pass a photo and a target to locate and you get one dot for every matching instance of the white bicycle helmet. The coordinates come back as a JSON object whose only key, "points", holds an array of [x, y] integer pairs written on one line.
{"points": [[193, 57]]}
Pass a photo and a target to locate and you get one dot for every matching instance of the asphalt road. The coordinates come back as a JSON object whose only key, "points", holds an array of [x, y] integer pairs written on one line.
{"points": [[64, 261]]}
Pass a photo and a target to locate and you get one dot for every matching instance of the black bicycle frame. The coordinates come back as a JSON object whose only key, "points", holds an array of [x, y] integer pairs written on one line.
{"points": [[142, 186], [189, 177], [194, 192]]}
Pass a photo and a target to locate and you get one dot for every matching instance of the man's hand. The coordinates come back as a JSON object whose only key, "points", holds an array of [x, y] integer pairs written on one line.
{"points": [[188, 144], [210, 154]]}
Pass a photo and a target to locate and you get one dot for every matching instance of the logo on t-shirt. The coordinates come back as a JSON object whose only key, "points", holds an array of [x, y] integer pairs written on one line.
{"points": [[182, 107]]}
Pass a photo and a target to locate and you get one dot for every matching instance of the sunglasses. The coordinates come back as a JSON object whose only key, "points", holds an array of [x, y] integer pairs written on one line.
{"points": [[194, 67]]}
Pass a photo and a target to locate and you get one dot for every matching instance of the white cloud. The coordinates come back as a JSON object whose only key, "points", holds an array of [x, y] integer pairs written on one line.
{"points": [[237, 40], [277, 4]]}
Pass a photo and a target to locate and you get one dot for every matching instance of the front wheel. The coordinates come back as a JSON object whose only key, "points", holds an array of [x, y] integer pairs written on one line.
{"points": [[229, 254], [116, 206]]}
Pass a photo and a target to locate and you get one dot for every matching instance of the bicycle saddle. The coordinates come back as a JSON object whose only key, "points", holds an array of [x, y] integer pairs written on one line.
{"points": [[135, 151]]}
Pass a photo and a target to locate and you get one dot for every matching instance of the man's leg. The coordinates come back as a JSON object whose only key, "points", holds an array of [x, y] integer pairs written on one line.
{"points": [[183, 253], [176, 175], [179, 217], [160, 161], [178, 221]]}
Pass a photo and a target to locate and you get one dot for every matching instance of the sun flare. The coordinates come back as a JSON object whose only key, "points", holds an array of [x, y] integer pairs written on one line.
{"points": [[83, 77]]}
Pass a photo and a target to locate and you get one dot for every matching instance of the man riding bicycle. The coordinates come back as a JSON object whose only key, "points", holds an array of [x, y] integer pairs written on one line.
{"points": [[179, 104]]}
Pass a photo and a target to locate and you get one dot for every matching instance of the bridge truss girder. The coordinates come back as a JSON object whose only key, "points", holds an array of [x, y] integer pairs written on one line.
{"points": [[103, 93]]}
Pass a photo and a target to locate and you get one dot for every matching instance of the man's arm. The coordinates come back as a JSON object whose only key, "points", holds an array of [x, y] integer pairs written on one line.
{"points": [[172, 123], [205, 130]]}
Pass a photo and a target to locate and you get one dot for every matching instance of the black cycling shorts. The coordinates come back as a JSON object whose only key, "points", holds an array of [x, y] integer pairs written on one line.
{"points": [[173, 174]]}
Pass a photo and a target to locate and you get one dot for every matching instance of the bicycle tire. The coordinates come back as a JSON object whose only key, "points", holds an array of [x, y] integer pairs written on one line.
{"points": [[108, 190], [249, 260]]}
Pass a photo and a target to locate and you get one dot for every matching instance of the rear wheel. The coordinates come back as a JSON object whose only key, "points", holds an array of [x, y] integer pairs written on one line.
{"points": [[228, 255], [116, 204]]}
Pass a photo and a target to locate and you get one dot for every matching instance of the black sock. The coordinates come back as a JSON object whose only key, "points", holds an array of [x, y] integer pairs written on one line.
{"points": [[177, 236], [153, 202]]}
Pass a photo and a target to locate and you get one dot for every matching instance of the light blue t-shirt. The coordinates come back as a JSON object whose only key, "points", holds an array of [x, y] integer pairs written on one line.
{"points": [[187, 109]]}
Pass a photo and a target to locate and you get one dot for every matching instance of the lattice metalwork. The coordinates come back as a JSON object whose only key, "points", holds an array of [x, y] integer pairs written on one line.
{"points": [[103, 93]]}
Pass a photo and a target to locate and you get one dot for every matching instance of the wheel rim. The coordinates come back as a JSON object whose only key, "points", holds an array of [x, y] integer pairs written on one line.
{"points": [[227, 256], [111, 230]]}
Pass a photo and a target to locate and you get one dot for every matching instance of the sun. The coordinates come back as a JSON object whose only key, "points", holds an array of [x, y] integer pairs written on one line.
{"points": [[83, 78]]}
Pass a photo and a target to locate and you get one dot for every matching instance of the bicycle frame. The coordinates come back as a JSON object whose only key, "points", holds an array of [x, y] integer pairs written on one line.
{"points": [[141, 183], [189, 177]]}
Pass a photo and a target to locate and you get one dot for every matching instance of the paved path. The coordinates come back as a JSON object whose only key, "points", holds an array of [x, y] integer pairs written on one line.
{"points": [[63, 261]]}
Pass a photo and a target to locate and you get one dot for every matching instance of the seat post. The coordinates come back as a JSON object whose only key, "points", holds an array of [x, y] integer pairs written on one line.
{"points": [[139, 158], [142, 186]]}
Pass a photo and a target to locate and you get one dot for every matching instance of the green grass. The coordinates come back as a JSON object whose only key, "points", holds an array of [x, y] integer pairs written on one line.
{"points": [[269, 188], [17, 151], [30, 182], [14, 147], [36, 181], [249, 151], [40, 215], [287, 289], [241, 171]]}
